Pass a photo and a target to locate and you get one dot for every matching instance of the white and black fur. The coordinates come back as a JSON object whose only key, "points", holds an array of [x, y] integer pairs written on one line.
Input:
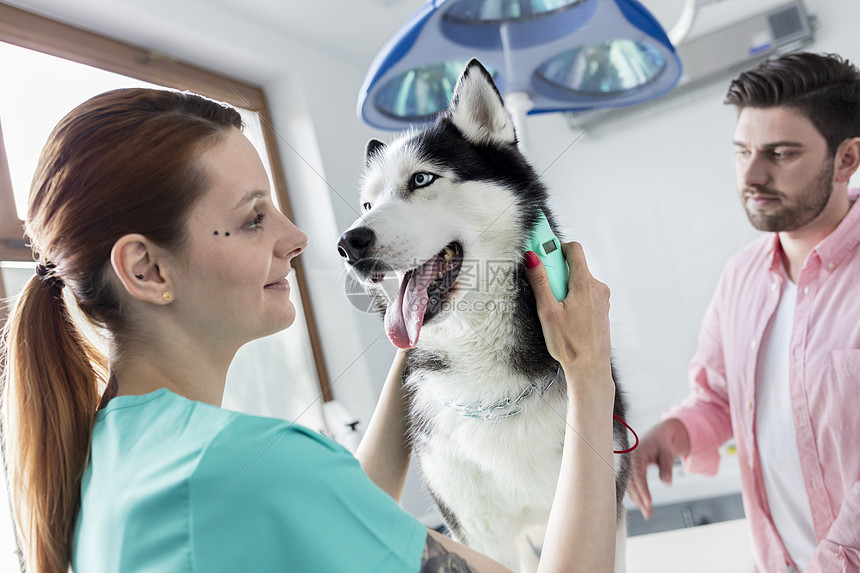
{"points": [[493, 480]]}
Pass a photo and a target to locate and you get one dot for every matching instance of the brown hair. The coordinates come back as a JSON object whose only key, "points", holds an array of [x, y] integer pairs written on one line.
{"points": [[122, 162], [825, 88]]}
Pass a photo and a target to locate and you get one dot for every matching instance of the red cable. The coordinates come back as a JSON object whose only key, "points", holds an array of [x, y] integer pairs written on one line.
{"points": [[628, 450]]}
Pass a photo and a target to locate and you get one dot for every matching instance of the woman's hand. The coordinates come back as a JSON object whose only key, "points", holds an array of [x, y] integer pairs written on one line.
{"points": [[384, 450], [581, 531], [577, 328]]}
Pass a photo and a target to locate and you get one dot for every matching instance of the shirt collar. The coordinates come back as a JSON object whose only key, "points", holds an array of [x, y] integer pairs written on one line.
{"points": [[833, 248], [774, 254], [844, 238]]}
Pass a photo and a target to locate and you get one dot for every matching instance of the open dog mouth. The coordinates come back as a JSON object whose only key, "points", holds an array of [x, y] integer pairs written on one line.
{"points": [[422, 294]]}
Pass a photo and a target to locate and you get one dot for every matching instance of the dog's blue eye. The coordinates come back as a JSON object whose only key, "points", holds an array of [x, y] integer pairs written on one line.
{"points": [[366, 206], [422, 179]]}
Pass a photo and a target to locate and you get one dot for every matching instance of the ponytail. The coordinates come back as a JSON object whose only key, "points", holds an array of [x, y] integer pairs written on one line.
{"points": [[122, 162], [50, 387]]}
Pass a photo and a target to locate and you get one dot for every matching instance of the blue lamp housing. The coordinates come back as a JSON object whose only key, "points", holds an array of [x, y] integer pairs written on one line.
{"points": [[567, 55]]}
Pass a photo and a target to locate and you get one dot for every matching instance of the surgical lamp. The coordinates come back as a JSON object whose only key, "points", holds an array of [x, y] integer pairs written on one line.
{"points": [[545, 56]]}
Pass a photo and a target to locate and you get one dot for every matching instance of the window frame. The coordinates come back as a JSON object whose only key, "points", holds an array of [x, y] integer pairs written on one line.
{"points": [[41, 34]]}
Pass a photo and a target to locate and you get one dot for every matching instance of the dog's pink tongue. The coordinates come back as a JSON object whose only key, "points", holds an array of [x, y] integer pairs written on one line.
{"points": [[405, 314]]}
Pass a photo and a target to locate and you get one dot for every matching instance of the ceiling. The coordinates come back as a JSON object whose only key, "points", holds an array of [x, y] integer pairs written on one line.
{"points": [[351, 30], [354, 30], [357, 29]]}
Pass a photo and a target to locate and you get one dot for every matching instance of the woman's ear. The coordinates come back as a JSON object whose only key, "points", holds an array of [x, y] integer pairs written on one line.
{"points": [[847, 160], [135, 260]]}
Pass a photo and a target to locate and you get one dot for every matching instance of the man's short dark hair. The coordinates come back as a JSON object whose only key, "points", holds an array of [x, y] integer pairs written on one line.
{"points": [[825, 88]]}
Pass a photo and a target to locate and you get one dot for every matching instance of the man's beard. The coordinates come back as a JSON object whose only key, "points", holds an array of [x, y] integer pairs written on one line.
{"points": [[795, 215]]}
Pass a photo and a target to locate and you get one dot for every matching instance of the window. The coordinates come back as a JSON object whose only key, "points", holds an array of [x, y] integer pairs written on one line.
{"points": [[54, 67]]}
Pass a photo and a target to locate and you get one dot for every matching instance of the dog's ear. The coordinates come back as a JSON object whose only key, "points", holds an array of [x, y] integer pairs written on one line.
{"points": [[477, 108], [373, 146]]}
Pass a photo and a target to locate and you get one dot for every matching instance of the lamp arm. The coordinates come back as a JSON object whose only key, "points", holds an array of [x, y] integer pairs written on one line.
{"points": [[679, 32]]}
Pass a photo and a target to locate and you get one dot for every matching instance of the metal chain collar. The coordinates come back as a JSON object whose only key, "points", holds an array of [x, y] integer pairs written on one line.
{"points": [[504, 407]]}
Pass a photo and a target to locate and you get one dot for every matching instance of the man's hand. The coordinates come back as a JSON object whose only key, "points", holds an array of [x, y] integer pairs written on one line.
{"points": [[659, 446]]}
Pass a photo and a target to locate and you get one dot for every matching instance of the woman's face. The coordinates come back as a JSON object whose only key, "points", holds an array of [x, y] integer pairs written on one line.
{"points": [[231, 282]]}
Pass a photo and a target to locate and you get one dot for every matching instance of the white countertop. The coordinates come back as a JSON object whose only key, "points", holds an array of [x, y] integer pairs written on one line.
{"points": [[713, 548]]}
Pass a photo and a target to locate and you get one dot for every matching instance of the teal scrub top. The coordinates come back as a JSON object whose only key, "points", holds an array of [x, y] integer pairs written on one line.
{"points": [[176, 485]]}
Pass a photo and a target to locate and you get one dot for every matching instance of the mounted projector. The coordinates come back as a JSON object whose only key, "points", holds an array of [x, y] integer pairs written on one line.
{"points": [[723, 54]]}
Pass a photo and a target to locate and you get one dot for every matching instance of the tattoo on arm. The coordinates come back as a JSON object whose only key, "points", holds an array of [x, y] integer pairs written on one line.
{"points": [[437, 559]]}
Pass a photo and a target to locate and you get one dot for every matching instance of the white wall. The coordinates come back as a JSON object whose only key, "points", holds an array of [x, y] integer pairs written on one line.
{"points": [[653, 203], [312, 94], [652, 198]]}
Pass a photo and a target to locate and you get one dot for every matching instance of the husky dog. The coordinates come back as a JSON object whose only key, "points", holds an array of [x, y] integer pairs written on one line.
{"points": [[448, 210]]}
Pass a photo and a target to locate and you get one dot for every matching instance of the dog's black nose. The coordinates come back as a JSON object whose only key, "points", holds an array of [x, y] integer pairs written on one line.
{"points": [[355, 244]]}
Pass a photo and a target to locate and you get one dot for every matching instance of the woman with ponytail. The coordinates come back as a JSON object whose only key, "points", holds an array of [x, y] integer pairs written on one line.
{"points": [[117, 164], [151, 217]]}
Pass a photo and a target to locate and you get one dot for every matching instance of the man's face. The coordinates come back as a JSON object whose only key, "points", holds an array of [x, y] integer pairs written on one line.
{"points": [[783, 168]]}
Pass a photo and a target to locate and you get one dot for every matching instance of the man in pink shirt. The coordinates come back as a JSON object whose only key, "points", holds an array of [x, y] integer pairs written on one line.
{"points": [[778, 361]]}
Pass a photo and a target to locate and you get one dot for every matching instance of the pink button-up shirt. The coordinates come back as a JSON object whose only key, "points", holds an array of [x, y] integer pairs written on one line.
{"points": [[824, 383]]}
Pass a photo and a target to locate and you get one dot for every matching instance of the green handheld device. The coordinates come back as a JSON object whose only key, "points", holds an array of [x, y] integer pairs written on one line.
{"points": [[546, 245]]}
